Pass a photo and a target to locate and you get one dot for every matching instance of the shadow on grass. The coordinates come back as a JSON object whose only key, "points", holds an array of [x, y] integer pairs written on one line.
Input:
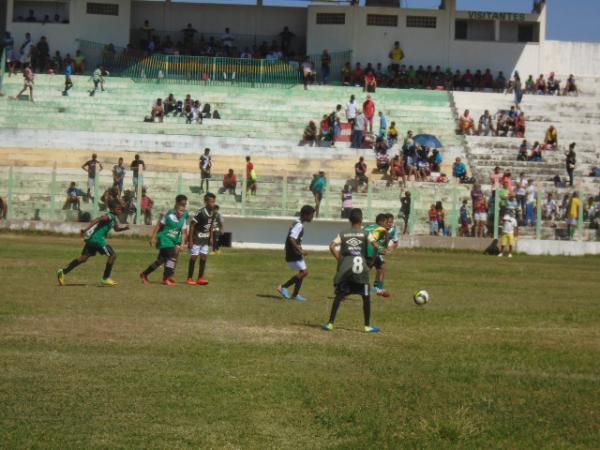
{"points": [[271, 296], [319, 326], [73, 285]]}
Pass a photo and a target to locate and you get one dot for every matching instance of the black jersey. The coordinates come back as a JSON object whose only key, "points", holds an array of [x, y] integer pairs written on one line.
{"points": [[296, 232], [352, 265], [203, 222]]}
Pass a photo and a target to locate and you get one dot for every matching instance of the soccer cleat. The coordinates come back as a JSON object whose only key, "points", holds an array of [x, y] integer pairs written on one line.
{"points": [[299, 298], [144, 278], [510, 255], [61, 277], [202, 281], [190, 282], [327, 327], [383, 293], [168, 282], [108, 282], [499, 255], [372, 329], [283, 292]]}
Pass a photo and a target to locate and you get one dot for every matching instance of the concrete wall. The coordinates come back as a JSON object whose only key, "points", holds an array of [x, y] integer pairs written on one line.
{"points": [[212, 19], [566, 57], [92, 27]]}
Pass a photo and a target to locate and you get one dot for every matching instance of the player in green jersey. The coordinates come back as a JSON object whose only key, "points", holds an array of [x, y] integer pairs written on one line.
{"points": [[95, 242], [168, 236], [376, 257], [352, 277]]}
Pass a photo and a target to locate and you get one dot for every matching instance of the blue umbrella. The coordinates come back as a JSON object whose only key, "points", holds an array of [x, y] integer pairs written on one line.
{"points": [[428, 140]]}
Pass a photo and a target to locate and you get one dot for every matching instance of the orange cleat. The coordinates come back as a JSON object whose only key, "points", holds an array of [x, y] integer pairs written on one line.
{"points": [[190, 282], [144, 278], [202, 281], [168, 282]]}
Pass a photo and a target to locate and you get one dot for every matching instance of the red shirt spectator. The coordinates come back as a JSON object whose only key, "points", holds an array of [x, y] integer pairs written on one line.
{"points": [[369, 111]]}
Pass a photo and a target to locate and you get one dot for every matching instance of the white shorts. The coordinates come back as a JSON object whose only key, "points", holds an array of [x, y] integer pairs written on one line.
{"points": [[297, 265], [480, 217], [199, 250], [91, 183]]}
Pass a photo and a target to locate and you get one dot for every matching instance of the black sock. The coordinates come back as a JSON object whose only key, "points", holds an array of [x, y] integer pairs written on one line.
{"points": [[71, 266], [289, 282], [367, 309], [297, 287], [108, 270], [335, 307], [152, 267], [191, 268], [202, 268]]}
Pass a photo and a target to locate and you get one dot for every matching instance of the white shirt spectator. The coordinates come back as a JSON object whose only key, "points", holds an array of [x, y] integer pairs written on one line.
{"points": [[351, 109], [531, 194], [509, 223], [227, 39], [522, 189], [360, 122]]}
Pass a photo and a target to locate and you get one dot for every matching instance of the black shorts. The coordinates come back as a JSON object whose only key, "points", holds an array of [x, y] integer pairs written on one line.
{"points": [[167, 253], [376, 261], [204, 175], [349, 288], [91, 250]]}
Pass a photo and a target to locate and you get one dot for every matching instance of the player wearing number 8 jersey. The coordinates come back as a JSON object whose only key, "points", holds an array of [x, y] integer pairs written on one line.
{"points": [[352, 276]]}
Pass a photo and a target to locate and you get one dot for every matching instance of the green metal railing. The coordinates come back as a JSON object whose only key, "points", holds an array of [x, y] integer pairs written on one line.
{"points": [[2, 66], [338, 60]]}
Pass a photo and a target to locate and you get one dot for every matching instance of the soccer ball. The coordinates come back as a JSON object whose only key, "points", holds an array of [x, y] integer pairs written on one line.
{"points": [[421, 297]]}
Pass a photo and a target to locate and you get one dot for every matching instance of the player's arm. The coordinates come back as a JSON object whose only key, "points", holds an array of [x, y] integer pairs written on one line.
{"points": [[84, 167], [334, 247], [94, 222], [184, 235], [190, 234], [155, 231], [101, 167], [297, 246], [118, 227], [373, 241]]}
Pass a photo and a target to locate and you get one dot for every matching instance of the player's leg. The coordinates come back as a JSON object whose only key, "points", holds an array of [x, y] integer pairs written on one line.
{"points": [[337, 301], [366, 298], [203, 259], [85, 254], [160, 260], [302, 274], [192, 265], [170, 256], [112, 257]]}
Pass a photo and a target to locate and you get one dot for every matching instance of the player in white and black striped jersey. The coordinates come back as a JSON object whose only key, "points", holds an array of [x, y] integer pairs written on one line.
{"points": [[294, 255]]}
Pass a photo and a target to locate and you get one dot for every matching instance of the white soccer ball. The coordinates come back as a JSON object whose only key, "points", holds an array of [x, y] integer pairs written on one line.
{"points": [[421, 297]]}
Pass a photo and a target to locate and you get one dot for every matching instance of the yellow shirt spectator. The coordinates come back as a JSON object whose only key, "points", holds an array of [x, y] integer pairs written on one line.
{"points": [[574, 208], [396, 55]]}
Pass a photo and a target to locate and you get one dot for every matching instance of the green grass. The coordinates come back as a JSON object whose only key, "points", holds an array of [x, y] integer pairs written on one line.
{"points": [[505, 355]]}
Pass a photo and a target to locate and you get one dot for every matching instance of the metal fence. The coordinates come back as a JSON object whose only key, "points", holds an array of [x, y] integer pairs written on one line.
{"points": [[2, 66]]}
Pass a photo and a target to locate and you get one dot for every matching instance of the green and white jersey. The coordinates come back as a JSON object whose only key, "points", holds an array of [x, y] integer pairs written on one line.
{"points": [[380, 235], [97, 234], [97, 75], [172, 226], [352, 265]]}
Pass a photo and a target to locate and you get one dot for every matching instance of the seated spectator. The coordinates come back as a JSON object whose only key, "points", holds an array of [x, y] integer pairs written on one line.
{"points": [[146, 204], [478, 80], [360, 174], [187, 105], [370, 82], [486, 124], [523, 149], [435, 160], [487, 80], [178, 108], [571, 86], [325, 131], [347, 74], [520, 125], [459, 170], [205, 114], [73, 197], [540, 85], [392, 134], [397, 169], [466, 123], [536, 152], [503, 124], [310, 134], [530, 85], [158, 110], [229, 183], [30, 17], [512, 117], [357, 75], [552, 85], [467, 80], [195, 114], [170, 104], [500, 83], [551, 138]]}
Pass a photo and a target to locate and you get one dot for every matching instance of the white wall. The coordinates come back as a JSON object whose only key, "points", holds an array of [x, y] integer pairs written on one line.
{"points": [[565, 57], [91, 27], [213, 18]]}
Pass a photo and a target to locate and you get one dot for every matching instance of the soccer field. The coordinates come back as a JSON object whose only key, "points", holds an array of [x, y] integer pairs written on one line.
{"points": [[505, 355]]}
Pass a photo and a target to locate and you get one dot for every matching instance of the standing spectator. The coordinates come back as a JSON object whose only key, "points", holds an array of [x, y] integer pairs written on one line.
{"points": [[135, 171], [466, 123], [346, 201], [307, 72], [522, 185], [334, 123], [510, 229], [229, 183], [464, 219], [530, 205], [351, 109], [188, 36], [43, 51], [396, 56], [573, 214], [68, 74], [26, 49], [227, 41], [405, 210], [79, 63], [250, 177], [433, 221], [146, 205], [441, 217], [205, 166], [382, 124], [346, 74], [286, 40], [459, 170], [496, 178], [358, 129], [397, 170], [317, 187], [369, 111], [27, 82], [518, 88], [360, 173], [90, 168], [118, 174], [480, 208], [550, 210], [325, 66], [3, 209], [392, 134], [570, 162], [73, 194], [551, 138]]}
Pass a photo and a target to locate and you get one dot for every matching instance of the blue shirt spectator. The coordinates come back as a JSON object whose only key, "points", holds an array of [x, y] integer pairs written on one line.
{"points": [[459, 170]]}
